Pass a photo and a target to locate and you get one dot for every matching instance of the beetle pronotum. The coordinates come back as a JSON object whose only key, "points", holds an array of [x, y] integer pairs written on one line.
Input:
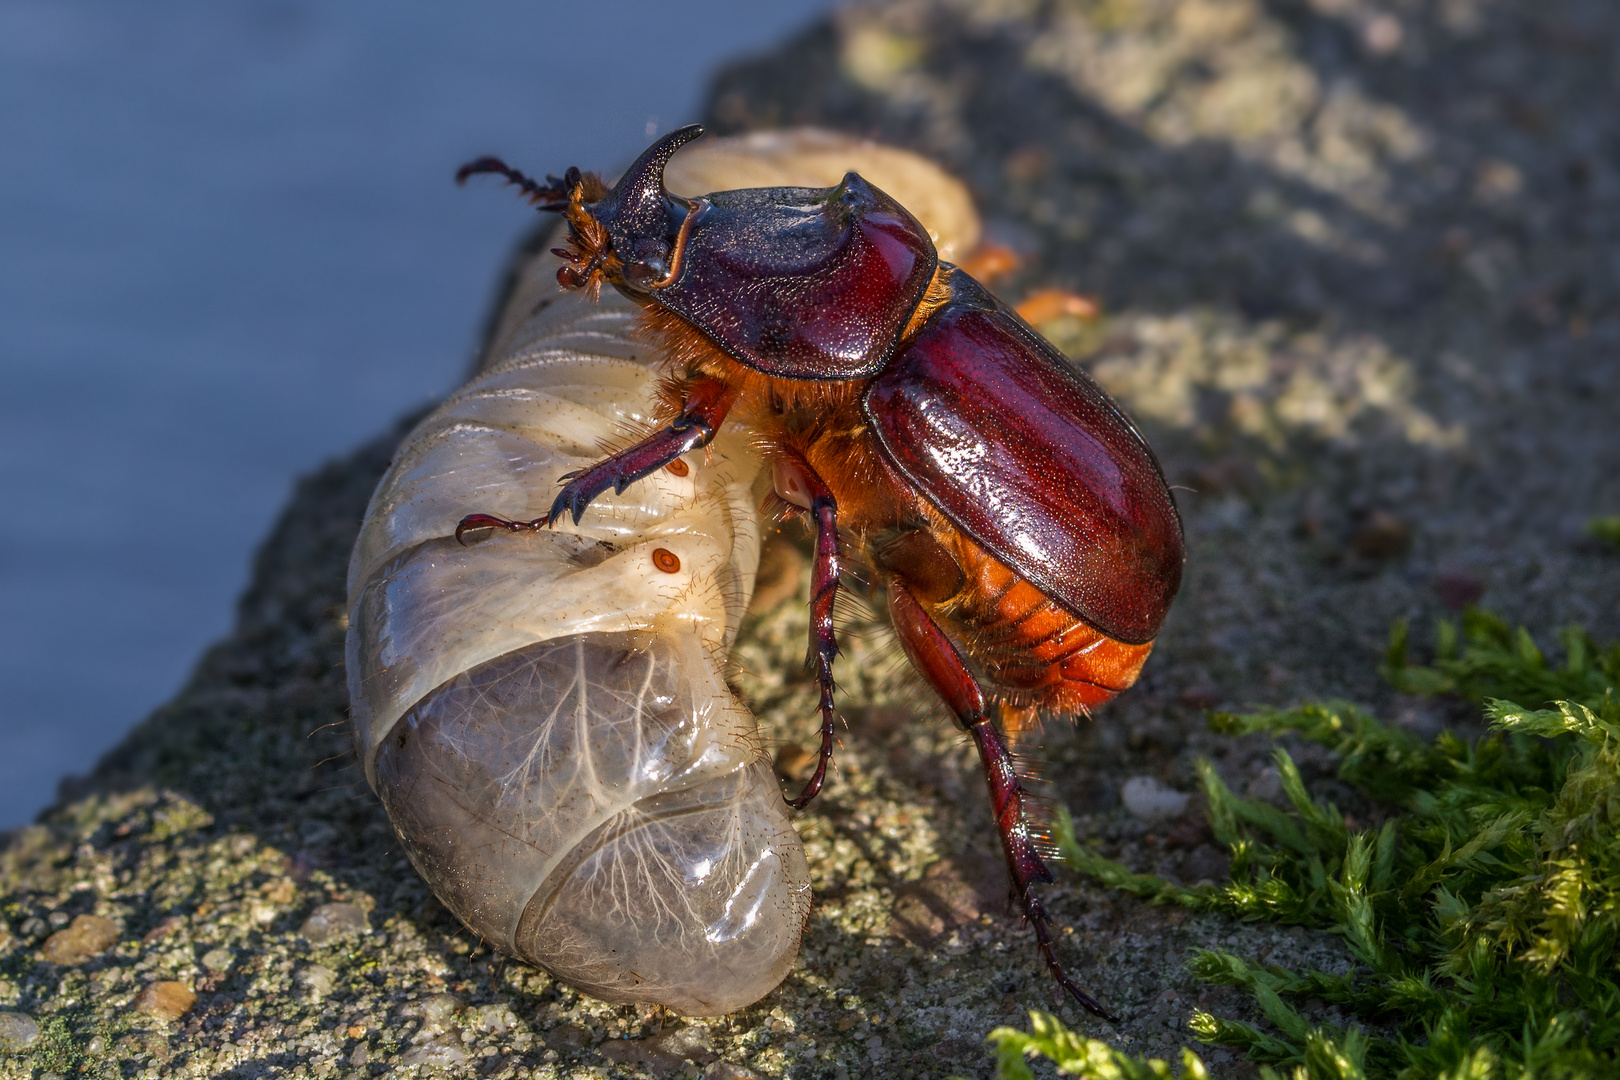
{"points": [[542, 710]]}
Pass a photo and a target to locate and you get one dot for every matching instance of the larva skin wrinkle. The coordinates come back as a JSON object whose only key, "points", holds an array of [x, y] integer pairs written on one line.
{"points": [[1018, 523]]}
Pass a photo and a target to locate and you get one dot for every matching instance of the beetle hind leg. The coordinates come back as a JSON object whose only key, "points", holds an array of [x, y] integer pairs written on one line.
{"points": [[932, 653], [1009, 801]]}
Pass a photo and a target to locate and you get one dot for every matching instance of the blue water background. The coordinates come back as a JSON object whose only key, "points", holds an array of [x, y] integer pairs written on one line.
{"points": [[229, 249]]}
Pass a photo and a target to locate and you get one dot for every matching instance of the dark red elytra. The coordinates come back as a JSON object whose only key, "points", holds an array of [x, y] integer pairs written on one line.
{"points": [[1015, 520], [1034, 461]]}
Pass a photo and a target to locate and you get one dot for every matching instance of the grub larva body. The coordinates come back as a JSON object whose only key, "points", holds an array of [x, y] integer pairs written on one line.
{"points": [[545, 714]]}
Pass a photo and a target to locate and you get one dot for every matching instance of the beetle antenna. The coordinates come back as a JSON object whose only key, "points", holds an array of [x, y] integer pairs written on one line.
{"points": [[552, 195]]}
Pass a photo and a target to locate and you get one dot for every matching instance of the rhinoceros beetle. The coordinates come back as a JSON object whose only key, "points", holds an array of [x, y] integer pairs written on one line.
{"points": [[1017, 522]]}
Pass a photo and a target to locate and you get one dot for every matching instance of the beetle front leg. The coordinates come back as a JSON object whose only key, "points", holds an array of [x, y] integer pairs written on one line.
{"points": [[798, 483], [932, 653], [707, 403]]}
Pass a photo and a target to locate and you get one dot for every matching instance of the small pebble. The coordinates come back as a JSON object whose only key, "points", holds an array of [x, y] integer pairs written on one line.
{"points": [[17, 1030], [317, 980], [1381, 536], [218, 960], [89, 935], [1201, 696], [1205, 863], [691, 1041], [441, 1052], [434, 1009], [1266, 787], [725, 1070], [646, 1053], [568, 1037], [330, 922], [494, 1019], [1147, 798], [166, 1000]]}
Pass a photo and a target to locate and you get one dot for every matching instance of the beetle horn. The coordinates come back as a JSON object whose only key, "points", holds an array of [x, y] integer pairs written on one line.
{"points": [[631, 234], [637, 204]]}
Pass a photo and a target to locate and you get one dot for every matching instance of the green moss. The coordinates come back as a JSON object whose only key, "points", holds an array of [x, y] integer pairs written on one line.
{"points": [[57, 1051], [1483, 912], [1079, 1056]]}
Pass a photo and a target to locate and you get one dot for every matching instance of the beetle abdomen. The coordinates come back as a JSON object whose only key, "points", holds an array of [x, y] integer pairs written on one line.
{"points": [[544, 713], [1035, 647]]}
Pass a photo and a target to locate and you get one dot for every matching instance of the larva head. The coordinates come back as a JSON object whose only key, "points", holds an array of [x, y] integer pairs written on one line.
{"points": [[801, 283]]}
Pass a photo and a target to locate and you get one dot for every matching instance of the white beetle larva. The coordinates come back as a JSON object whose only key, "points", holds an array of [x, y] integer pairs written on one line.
{"points": [[544, 714]]}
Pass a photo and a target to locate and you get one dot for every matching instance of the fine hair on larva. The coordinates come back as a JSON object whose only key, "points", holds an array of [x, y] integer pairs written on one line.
{"points": [[544, 713]]}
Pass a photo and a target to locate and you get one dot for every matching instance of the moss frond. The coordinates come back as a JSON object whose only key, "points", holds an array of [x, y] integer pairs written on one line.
{"points": [[1483, 914]]}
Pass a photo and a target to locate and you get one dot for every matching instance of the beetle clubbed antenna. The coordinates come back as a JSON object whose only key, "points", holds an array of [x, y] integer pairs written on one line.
{"points": [[588, 249], [552, 195], [637, 215]]}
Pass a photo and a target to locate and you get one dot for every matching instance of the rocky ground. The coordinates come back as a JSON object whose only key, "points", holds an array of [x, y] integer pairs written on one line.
{"points": [[1360, 272]]}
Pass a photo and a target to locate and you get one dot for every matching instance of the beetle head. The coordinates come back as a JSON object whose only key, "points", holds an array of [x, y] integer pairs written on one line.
{"points": [[804, 283]]}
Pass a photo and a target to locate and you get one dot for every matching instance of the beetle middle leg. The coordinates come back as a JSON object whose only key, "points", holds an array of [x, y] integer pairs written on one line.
{"points": [[932, 653], [799, 484], [707, 403]]}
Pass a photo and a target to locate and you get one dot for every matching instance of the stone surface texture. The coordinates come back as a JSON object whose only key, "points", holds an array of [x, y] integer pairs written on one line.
{"points": [[1359, 268]]}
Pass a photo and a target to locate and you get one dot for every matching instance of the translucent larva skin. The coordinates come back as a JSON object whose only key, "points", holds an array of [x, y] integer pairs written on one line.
{"points": [[544, 714]]}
